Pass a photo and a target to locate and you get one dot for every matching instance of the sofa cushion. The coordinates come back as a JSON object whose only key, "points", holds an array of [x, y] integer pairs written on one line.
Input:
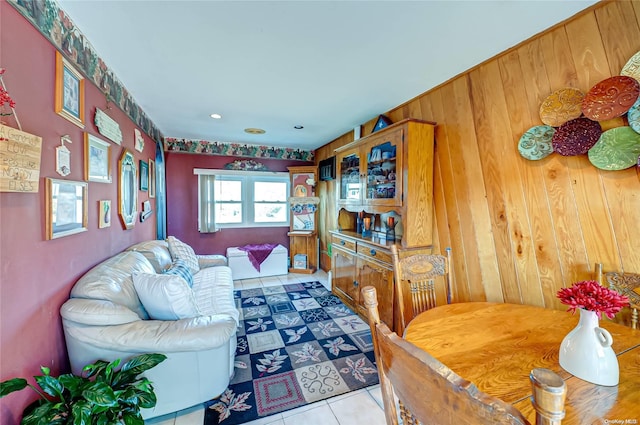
{"points": [[180, 250], [165, 297], [179, 268], [213, 288], [156, 251]]}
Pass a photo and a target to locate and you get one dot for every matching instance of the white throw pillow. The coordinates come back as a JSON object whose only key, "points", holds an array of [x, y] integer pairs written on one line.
{"points": [[182, 251], [165, 296]]}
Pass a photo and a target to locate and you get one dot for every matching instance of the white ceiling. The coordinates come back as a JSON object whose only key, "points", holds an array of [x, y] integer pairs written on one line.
{"points": [[326, 65]]}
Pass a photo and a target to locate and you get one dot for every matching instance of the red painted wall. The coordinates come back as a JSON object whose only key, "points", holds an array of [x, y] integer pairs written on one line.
{"points": [[182, 205], [36, 275]]}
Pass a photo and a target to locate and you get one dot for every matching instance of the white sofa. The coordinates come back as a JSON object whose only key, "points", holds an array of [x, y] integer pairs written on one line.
{"points": [[105, 319]]}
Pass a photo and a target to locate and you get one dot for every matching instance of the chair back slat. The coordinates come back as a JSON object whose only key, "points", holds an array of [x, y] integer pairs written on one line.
{"points": [[627, 284], [417, 275]]}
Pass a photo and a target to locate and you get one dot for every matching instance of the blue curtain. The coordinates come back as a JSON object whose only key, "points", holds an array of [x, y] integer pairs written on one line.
{"points": [[161, 194]]}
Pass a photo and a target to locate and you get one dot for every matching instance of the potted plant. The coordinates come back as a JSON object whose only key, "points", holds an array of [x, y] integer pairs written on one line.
{"points": [[103, 394]]}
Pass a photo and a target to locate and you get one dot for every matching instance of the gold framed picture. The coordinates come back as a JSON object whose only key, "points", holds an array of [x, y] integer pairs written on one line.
{"points": [[97, 159], [69, 93], [66, 207]]}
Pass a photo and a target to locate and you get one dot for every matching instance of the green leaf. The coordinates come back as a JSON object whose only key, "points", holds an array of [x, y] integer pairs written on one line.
{"points": [[74, 384], [43, 412], [143, 362], [135, 366], [101, 394], [15, 384], [130, 418], [50, 385], [147, 399], [81, 412], [95, 368]]}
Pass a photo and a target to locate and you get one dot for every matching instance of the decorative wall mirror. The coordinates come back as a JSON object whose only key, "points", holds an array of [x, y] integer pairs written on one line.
{"points": [[127, 189]]}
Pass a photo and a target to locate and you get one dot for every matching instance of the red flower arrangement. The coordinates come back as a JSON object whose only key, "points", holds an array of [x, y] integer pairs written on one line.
{"points": [[592, 296], [4, 96]]}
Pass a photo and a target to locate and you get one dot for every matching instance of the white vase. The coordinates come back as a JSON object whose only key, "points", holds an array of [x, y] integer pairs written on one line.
{"points": [[587, 354]]}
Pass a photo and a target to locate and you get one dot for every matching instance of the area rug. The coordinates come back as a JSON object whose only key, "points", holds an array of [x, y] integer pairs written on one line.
{"points": [[297, 344]]}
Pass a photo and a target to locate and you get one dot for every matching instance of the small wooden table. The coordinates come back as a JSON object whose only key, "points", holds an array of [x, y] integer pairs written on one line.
{"points": [[495, 346]]}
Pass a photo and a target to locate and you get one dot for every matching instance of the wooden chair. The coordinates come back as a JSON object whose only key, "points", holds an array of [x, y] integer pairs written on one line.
{"points": [[627, 284], [415, 272], [430, 393]]}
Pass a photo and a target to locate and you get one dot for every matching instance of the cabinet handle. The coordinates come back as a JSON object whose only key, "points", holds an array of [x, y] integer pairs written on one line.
{"points": [[342, 243], [355, 283], [372, 252]]}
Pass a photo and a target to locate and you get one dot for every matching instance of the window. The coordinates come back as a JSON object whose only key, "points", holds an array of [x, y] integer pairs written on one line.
{"points": [[241, 199]]}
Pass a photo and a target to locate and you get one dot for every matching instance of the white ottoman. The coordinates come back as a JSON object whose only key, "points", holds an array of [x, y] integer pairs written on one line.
{"points": [[241, 268]]}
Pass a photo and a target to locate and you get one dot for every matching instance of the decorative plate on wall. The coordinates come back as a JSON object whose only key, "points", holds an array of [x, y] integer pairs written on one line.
{"points": [[617, 149], [610, 98], [535, 143], [561, 106], [632, 67], [576, 136], [633, 116]]}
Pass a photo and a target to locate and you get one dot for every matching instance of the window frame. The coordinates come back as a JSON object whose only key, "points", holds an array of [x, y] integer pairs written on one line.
{"points": [[248, 178]]}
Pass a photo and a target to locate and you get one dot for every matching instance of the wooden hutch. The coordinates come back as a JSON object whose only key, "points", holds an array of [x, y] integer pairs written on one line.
{"points": [[384, 180]]}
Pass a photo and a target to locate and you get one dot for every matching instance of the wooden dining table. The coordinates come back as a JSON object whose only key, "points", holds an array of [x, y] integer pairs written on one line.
{"points": [[496, 345]]}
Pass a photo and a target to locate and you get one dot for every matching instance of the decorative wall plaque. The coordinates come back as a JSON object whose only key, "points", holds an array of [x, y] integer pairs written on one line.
{"points": [[63, 157], [108, 127], [139, 140], [20, 159]]}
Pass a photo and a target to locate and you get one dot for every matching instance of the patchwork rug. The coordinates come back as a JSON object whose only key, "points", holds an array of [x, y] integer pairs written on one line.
{"points": [[297, 344]]}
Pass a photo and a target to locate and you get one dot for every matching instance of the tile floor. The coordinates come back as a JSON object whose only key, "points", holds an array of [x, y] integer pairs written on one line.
{"points": [[363, 406]]}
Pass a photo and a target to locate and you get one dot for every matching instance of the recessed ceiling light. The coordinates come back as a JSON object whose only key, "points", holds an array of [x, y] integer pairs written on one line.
{"points": [[298, 127], [254, 130], [216, 116]]}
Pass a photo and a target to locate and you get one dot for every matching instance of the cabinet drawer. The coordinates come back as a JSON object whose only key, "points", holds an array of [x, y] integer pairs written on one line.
{"points": [[344, 243], [371, 251]]}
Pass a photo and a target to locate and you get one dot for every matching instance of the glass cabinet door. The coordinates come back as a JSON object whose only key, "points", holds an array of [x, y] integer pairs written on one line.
{"points": [[383, 165], [350, 185]]}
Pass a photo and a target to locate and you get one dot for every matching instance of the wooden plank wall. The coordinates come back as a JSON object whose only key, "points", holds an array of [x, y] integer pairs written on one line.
{"points": [[520, 230]]}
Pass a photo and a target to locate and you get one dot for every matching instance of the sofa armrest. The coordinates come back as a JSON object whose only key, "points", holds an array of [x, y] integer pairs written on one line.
{"points": [[213, 260], [97, 312], [194, 334]]}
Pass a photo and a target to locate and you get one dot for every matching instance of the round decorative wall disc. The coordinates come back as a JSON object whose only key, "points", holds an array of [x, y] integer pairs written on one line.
{"points": [[617, 149], [633, 116], [632, 67], [535, 143], [576, 137], [610, 98], [561, 106]]}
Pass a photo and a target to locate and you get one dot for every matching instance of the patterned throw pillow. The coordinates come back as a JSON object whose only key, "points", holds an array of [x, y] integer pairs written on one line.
{"points": [[182, 251], [180, 268]]}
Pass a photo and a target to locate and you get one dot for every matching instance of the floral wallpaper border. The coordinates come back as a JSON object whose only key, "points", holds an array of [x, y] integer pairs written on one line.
{"points": [[172, 144], [53, 23]]}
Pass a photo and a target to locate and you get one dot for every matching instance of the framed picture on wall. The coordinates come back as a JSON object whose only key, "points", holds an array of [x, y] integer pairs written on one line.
{"points": [[66, 207], [104, 214], [69, 92], [97, 159], [144, 176], [152, 178]]}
